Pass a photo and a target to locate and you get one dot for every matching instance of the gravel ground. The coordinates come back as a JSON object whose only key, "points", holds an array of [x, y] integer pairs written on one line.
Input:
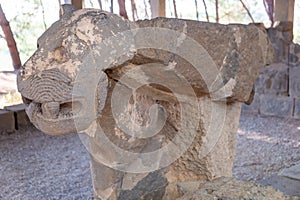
{"points": [[36, 166], [266, 145]]}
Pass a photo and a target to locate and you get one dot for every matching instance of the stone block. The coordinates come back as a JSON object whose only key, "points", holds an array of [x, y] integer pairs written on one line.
{"points": [[297, 109], [20, 114], [295, 82], [273, 79], [15, 108], [295, 51], [7, 120], [271, 105]]}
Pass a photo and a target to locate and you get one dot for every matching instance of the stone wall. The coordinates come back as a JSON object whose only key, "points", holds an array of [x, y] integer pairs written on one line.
{"points": [[277, 89]]}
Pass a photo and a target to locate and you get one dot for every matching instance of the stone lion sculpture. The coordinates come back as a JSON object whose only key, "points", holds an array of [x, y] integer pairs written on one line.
{"points": [[192, 76]]}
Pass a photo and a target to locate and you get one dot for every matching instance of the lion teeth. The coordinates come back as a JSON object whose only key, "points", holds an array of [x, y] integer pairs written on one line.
{"points": [[50, 109]]}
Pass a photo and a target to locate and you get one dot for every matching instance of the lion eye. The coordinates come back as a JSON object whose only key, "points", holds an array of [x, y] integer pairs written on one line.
{"points": [[59, 54]]}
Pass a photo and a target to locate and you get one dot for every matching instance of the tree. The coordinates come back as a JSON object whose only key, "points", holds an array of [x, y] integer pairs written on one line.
{"points": [[122, 9], [175, 8], [133, 9], [205, 7], [11, 43], [217, 11], [100, 4], [248, 12], [269, 6]]}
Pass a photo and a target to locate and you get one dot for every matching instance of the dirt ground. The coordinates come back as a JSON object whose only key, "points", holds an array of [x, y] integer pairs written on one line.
{"points": [[36, 166]]}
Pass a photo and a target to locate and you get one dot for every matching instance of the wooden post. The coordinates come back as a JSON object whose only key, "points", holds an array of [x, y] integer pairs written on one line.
{"points": [[158, 8], [77, 3], [11, 43], [284, 10]]}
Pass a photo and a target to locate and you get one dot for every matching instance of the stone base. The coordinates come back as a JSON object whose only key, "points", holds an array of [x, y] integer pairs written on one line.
{"points": [[7, 120], [13, 117], [281, 106], [273, 105], [193, 165]]}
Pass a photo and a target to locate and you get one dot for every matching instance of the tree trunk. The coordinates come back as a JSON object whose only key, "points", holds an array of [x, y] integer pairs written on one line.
{"points": [[100, 4], [205, 7], [43, 14], [175, 8], [269, 6], [134, 11], [11, 43], [146, 12], [197, 12], [122, 9], [248, 12], [60, 9], [112, 6], [217, 11]]}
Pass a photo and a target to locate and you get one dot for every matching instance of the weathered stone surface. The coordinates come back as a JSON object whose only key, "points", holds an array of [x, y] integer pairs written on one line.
{"points": [[295, 52], [281, 37], [273, 79], [281, 78], [231, 189], [228, 46], [295, 82], [204, 107], [281, 106], [297, 109]]}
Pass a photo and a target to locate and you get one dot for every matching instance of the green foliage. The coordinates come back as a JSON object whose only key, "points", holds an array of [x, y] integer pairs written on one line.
{"points": [[27, 27], [26, 24]]}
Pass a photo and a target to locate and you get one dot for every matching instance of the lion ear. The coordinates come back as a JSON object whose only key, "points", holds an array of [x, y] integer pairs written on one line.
{"points": [[66, 11]]}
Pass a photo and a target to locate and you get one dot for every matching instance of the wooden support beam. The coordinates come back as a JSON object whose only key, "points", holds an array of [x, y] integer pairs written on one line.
{"points": [[158, 8], [284, 10], [77, 3]]}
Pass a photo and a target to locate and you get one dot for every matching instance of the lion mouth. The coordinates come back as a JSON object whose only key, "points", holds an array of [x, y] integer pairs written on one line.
{"points": [[52, 110]]}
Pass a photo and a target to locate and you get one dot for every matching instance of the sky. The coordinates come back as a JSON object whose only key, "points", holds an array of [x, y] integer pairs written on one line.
{"points": [[185, 8]]}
